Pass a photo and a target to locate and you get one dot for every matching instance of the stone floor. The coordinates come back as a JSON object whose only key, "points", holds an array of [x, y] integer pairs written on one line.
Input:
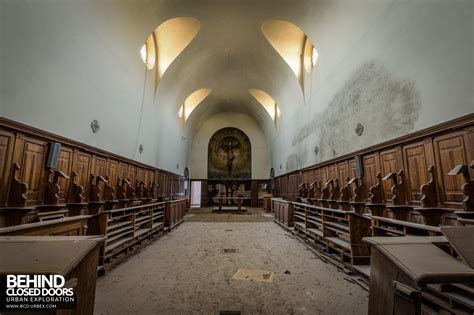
{"points": [[189, 271]]}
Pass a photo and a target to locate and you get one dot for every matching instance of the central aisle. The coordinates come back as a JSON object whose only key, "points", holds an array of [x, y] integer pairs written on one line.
{"points": [[188, 272]]}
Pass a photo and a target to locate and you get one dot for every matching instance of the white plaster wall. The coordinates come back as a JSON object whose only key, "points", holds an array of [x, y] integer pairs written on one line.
{"points": [[199, 146], [2, 79], [67, 63], [426, 43]]}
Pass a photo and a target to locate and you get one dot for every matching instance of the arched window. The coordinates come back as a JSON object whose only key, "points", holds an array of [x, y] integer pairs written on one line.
{"points": [[148, 52]]}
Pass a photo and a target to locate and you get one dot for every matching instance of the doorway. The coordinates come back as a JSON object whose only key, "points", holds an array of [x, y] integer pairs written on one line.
{"points": [[195, 194]]}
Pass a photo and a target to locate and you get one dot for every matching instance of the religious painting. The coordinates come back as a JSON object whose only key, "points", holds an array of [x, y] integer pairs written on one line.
{"points": [[229, 155]]}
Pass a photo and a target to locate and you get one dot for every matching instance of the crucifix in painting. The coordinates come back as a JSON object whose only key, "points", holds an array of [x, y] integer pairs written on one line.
{"points": [[229, 155]]}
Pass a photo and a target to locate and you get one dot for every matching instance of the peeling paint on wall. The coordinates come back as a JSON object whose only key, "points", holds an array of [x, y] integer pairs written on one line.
{"points": [[386, 106]]}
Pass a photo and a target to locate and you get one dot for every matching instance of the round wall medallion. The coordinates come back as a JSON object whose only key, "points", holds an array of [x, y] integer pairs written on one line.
{"points": [[95, 126], [359, 129]]}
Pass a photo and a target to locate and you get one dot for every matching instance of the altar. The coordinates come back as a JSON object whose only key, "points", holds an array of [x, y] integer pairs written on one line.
{"points": [[223, 204]]}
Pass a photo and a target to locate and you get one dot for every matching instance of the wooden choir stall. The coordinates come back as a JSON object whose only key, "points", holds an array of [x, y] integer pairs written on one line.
{"points": [[90, 207]]}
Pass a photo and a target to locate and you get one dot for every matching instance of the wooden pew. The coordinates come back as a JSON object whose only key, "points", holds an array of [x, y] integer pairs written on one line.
{"points": [[344, 231], [359, 194], [299, 218], [308, 222], [126, 228], [16, 208], [96, 203], [345, 196], [338, 231], [467, 215], [400, 208], [75, 258], [111, 201], [429, 210], [76, 204], [122, 189], [51, 209], [283, 212], [422, 274], [174, 213], [76, 225], [376, 197]]}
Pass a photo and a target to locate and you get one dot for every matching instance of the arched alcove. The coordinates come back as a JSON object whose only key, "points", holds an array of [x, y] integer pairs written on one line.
{"points": [[229, 155]]}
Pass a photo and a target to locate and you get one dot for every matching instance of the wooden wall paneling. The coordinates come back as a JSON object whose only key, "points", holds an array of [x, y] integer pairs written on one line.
{"points": [[65, 161], [7, 144], [157, 180], [306, 176], [317, 174], [343, 172], [99, 168], [123, 170], [469, 144], [162, 184], [371, 168], [332, 171], [204, 192], [82, 165], [312, 176], [277, 191], [132, 175], [164, 178], [450, 150], [352, 168], [31, 155], [390, 161], [293, 185], [416, 161], [149, 177], [99, 165], [140, 174], [113, 173], [324, 174]]}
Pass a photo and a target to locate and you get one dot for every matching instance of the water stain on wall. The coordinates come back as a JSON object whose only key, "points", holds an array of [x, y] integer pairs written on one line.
{"points": [[386, 107]]}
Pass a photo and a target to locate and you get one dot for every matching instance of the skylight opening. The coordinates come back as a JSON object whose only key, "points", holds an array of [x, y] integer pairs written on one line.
{"points": [[148, 52], [166, 43], [268, 103], [314, 57], [293, 45], [191, 102]]}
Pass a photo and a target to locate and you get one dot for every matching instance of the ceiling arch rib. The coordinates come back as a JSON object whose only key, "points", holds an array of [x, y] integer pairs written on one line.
{"points": [[166, 42], [293, 45], [268, 103], [191, 102]]}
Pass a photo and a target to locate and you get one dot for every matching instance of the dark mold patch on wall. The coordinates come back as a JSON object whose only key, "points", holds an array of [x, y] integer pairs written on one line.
{"points": [[386, 106]]}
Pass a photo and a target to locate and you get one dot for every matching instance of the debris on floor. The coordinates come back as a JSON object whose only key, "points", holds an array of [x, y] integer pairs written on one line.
{"points": [[253, 275]]}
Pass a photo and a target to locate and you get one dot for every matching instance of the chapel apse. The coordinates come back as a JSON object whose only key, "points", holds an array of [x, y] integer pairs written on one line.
{"points": [[229, 155]]}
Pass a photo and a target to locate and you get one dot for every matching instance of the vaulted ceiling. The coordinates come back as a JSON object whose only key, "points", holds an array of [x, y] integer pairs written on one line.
{"points": [[230, 55]]}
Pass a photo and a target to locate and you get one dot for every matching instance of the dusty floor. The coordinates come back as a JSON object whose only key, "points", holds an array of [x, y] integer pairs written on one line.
{"points": [[206, 215], [188, 272]]}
